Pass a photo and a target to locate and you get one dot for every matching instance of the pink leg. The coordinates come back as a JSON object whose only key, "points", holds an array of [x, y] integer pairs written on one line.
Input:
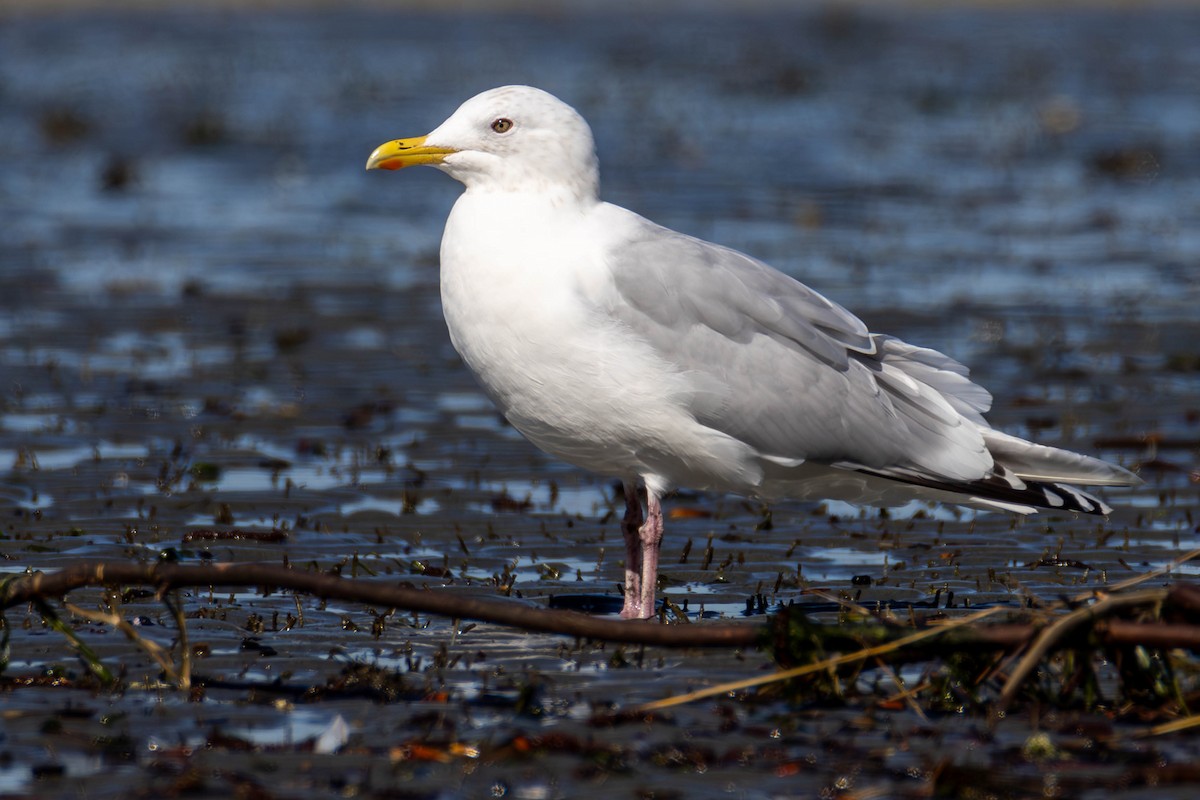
{"points": [[651, 534], [631, 529]]}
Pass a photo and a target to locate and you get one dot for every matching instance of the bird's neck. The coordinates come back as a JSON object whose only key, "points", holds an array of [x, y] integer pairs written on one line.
{"points": [[534, 202], [516, 220]]}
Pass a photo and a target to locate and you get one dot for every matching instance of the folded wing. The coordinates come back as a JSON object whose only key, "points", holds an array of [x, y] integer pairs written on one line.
{"points": [[801, 380]]}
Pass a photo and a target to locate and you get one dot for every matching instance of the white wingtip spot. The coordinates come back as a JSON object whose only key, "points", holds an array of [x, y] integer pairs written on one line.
{"points": [[1053, 499]]}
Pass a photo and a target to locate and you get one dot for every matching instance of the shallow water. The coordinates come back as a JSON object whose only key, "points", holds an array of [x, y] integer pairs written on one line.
{"points": [[212, 317]]}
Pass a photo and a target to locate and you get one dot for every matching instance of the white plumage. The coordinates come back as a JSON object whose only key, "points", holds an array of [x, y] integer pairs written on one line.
{"points": [[635, 351]]}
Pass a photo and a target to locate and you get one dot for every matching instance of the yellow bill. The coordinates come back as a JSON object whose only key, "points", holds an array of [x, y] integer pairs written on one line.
{"points": [[400, 153]]}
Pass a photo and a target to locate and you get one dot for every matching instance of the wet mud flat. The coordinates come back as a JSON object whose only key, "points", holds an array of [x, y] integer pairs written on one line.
{"points": [[220, 341]]}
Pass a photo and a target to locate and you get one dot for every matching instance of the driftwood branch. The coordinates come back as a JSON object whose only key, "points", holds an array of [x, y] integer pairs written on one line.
{"points": [[164, 577], [791, 634], [457, 605]]}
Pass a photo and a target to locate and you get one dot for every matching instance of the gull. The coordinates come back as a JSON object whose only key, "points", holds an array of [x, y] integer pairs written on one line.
{"points": [[631, 350]]}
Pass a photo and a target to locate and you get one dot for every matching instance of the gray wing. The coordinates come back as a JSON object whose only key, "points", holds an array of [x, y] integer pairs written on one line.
{"points": [[790, 373]]}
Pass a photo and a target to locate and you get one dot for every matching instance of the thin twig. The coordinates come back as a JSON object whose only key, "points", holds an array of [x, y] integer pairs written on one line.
{"points": [[115, 620], [1170, 727], [1165, 569], [185, 650], [93, 662], [905, 694], [828, 663]]}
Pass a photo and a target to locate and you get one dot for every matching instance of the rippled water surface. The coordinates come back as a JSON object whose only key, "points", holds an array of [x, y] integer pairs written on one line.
{"points": [[212, 318]]}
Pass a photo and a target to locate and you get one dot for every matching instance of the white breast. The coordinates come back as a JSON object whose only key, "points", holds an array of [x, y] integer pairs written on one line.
{"points": [[519, 306]]}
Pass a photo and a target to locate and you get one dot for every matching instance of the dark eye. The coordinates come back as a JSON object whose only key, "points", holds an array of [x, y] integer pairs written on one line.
{"points": [[502, 125]]}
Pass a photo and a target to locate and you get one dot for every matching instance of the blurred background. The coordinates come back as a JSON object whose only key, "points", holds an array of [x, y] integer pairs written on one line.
{"points": [[213, 319]]}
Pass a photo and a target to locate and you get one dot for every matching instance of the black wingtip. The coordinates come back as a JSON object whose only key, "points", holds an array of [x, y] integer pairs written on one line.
{"points": [[1008, 491]]}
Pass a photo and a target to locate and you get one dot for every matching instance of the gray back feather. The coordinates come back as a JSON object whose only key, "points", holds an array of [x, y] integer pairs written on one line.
{"points": [[790, 373]]}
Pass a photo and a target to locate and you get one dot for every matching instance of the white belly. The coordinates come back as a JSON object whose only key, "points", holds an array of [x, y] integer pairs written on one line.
{"points": [[561, 371]]}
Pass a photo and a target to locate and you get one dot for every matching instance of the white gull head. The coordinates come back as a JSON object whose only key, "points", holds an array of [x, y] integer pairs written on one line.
{"points": [[509, 139]]}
